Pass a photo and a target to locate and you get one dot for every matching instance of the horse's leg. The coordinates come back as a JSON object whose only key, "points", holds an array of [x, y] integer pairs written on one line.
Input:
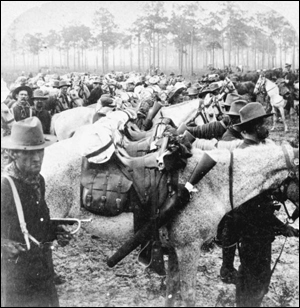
{"points": [[274, 120], [173, 279], [281, 109], [188, 257]]}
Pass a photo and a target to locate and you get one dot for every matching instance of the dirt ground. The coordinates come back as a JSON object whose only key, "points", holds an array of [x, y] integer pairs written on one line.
{"points": [[90, 282]]}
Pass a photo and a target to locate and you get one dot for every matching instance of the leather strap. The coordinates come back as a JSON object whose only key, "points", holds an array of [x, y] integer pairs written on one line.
{"points": [[95, 153], [20, 212]]}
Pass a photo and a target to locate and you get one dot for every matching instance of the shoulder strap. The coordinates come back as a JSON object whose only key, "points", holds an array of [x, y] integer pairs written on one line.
{"points": [[18, 204]]}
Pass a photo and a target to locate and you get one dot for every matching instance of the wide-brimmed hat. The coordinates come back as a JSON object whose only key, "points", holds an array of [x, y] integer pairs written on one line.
{"points": [[236, 106], [97, 80], [107, 101], [27, 135], [63, 83], [212, 87], [192, 91], [55, 83], [39, 94], [154, 80], [98, 148], [252, 111], [176, 90], [21, 88], [232, 97], [287, 65]]}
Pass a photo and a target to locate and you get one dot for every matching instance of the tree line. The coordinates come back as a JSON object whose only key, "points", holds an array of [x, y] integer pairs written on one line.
{"points": [[185, 39]]}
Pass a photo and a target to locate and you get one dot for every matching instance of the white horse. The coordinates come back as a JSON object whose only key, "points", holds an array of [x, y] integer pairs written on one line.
{"points": [[65, 123], [7, 119], [255, 170], [209, 110], [276, 100], [179, 113]]}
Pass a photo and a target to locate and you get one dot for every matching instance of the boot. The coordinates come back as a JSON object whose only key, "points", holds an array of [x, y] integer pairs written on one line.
{"points": [[181, 129], [169, 209], [187, 135], [151, 114], [228, 273], [205, 164]]}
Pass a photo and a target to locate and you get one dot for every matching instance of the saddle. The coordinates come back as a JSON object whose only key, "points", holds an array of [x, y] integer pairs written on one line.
{"points": [[139, 148]]}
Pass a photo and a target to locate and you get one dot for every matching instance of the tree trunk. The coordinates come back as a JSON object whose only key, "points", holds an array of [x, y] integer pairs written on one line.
{"points": [[255, 67], [192, 52], [294, 50], [158, 50], [139, 53], [103, 57], [143, 59], [130, 50], [280, 51]]}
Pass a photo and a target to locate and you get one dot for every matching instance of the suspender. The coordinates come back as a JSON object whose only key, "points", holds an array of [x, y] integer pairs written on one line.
{"points": [[17, 200]]}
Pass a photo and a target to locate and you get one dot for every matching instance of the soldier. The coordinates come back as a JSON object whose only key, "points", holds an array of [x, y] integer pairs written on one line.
{"points": [[63, 99], [233, 132], [21, 108], [289, 81], [27, 275], [39, 110], [252, 225]]}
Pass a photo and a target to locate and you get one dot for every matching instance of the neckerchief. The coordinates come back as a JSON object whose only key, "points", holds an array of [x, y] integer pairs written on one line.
{"points": [[25, 109], [34, 181]]}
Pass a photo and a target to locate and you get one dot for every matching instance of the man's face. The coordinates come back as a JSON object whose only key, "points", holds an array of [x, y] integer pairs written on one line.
{"points": [[38, 104], [96, 85], [64, 90], [22, 96], [29, 162]]}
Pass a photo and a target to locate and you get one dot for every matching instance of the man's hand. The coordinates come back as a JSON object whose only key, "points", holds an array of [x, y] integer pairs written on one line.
{"points": [[11, 248], [289, 231], [63, 236]]}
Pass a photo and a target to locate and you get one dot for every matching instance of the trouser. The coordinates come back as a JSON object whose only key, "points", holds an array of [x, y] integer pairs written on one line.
{"points": [[228, 233], [254, 273], [44, 295]]}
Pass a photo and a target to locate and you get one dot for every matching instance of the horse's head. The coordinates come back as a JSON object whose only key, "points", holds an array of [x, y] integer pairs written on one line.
{"points": [[289, 189], [228, 86], [173, 152], [259, 87], [7, 117], [210, 109]]}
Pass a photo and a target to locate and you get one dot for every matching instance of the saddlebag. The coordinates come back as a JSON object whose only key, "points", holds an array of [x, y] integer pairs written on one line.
{"points": [[104, 188]]}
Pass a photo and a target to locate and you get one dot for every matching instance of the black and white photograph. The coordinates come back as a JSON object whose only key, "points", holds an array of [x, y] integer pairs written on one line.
{"points": [[149, 154]]}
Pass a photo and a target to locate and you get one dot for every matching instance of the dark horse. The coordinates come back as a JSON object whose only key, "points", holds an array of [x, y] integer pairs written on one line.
{"points": [[246, 88]]}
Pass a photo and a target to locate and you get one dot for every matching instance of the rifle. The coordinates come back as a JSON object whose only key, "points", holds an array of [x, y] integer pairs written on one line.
{"points": [[70, 221]]}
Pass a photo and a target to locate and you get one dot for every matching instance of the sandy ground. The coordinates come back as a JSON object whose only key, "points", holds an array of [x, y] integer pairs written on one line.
{"points": [[90, 282]]}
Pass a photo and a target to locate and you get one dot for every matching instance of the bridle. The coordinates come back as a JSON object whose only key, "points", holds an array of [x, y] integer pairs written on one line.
{"points": [[291, 178]]}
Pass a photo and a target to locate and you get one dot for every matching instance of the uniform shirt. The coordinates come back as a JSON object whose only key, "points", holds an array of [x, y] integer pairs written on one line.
{"points": [[231, 134], [208, 131], [45, 118], [33, 267], [22, 111]]}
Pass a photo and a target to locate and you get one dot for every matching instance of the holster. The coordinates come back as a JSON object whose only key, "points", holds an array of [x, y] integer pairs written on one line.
{"points": [[167, 212]]}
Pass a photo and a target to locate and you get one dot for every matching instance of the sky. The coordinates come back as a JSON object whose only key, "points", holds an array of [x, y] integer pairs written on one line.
{"points": [[10, 10]]}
